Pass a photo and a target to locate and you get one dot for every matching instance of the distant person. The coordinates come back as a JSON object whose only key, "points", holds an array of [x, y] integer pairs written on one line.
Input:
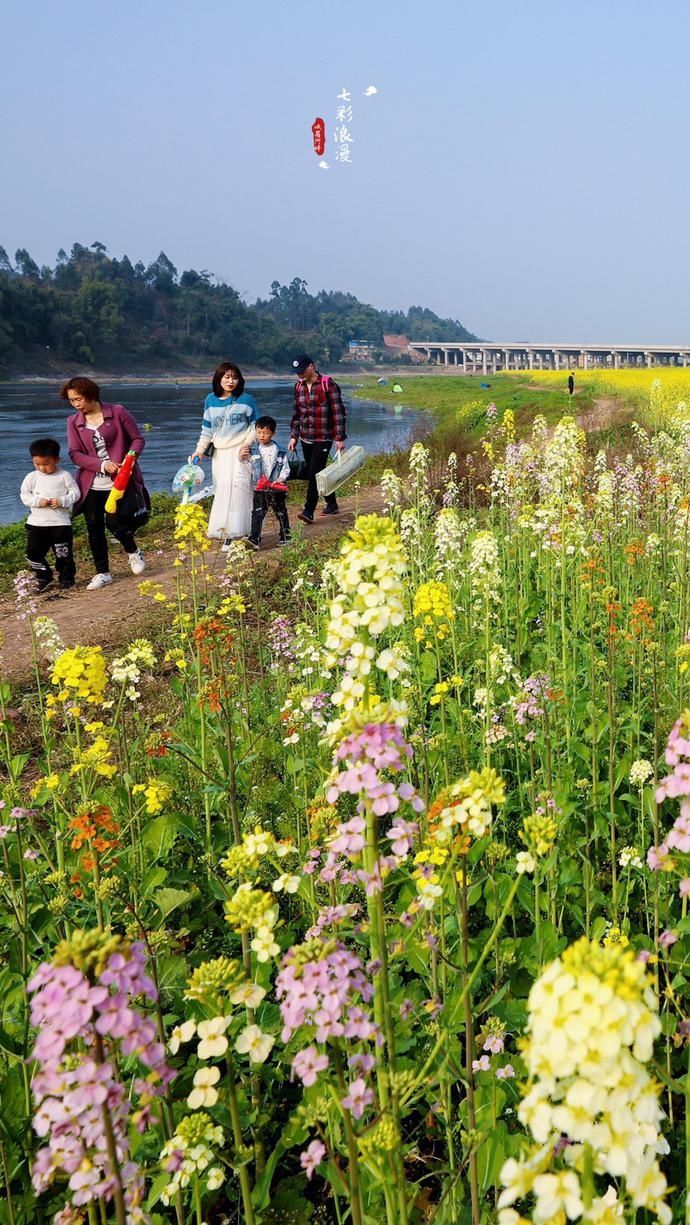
{"points": [[51, 494], [571, 383], [227, 427], [99, 436], [318, 421], [270, 471]]}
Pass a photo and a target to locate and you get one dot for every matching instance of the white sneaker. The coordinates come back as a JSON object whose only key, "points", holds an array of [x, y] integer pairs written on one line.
{"points": [[98, 581], [136, 562], [226, 545]]}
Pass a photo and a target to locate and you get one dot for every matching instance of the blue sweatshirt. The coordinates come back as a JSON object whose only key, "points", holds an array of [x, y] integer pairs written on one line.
{"points": [[224, 420]]}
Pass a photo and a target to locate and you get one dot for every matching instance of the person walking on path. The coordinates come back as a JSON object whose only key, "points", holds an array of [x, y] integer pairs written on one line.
{"points": [[98, 438], [318, 421], [571, 383], [270, 471], [228, 427]]}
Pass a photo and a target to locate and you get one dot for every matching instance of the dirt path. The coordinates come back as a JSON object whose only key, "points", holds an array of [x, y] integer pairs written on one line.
{"points": [[605, 411], [119, 613]]}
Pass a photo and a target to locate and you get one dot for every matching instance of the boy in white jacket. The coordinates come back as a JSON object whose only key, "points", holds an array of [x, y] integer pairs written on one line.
{"points": [[51, 495]]}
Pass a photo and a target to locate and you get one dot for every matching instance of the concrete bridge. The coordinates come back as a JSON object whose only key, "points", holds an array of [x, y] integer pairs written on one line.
{"points": [[488, 357]]}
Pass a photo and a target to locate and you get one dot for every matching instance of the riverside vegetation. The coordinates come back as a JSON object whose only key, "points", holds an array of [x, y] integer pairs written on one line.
{"points": [[376, 909]]}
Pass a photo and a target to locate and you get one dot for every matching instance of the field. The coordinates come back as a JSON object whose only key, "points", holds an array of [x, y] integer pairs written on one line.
{"points": [[362, 896]]}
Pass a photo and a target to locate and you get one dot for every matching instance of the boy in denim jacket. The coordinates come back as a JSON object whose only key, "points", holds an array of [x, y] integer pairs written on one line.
{"points": [[270, 469]]}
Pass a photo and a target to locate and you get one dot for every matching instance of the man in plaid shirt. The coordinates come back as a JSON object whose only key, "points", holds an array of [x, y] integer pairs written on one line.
{"points": [[318, 420]]}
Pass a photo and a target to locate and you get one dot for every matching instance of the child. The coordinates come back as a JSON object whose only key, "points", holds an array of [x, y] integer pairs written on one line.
{"points": [[51, 495], [270, 470]]}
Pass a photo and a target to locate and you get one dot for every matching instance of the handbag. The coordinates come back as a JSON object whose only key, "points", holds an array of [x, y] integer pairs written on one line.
{"points": [[133, 509], [299, 468], [343, 467]]}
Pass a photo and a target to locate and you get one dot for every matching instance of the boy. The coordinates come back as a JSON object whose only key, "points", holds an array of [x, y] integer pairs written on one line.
{"points": [[270, 470], [51, 495]]}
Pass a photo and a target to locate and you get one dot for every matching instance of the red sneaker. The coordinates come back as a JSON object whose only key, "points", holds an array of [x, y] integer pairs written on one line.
{"points": [[279, 487], [262, 483]]}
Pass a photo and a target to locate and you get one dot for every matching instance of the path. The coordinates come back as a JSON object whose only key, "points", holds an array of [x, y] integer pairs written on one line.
{"points": [[118, 614]]}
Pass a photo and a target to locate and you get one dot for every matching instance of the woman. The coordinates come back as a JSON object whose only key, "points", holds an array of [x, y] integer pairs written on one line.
{"points": [[228, 423], [98, 438]]}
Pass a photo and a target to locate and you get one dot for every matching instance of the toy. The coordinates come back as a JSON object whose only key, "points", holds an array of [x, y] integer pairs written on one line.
{"points": [[120, 482]]}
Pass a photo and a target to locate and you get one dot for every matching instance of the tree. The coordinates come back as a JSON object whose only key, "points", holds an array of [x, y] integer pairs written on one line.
{"points": [[25, 265]]}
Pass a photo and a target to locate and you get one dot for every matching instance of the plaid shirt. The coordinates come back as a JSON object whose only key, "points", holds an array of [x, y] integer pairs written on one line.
{"points": [[318, 416]]}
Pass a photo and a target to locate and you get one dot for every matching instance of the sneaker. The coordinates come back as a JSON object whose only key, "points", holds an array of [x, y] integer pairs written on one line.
{"points": [[225, 547], [305, 517], [136, 562], [98, 581], [42, 584], [282, 543], [253, 544], [66, 584], [331, 510]]}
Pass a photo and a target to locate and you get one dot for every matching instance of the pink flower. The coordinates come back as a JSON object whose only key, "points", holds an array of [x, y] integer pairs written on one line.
{"points": [[657, 857], [667, 939], [684, 887], [494, 1043], [312, 1156], [482, 1064], [358, 1098], [505, 1073], [307, 1064]]}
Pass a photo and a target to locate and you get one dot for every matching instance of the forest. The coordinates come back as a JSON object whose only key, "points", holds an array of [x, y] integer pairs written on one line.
{"points": [[92, 308]]}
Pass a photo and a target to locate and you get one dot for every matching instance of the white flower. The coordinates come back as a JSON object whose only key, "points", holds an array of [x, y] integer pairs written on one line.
{"points": [[524, 862], [264, 944], [286, 882], [557, 1193], [215, 1178], [249, 994], [203, 1093], [213, 1040], [254, 1043], [181, 1033]]}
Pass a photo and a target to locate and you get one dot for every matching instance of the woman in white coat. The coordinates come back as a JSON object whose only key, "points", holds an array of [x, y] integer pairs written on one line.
{"points": [[228, 424]]}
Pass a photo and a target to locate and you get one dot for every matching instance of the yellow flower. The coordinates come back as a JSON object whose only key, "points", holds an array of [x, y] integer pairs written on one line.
{"points": [[156, 792], [81, 673]]}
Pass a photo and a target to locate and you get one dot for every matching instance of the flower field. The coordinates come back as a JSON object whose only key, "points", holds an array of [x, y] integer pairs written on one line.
{"points": [[656, 390], [369, 905]]}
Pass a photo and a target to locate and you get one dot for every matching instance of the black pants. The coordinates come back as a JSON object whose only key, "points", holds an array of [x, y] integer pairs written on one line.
{"points": [[39, 541], [263, 502], [93, 510], [316, 457]]}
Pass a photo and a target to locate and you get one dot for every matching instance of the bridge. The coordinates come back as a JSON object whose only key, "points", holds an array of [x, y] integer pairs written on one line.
{"points": [[488, 357]]}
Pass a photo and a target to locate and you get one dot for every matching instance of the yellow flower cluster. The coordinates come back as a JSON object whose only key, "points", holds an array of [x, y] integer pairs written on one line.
{"points": [[156, 793], [190, 528], [246, 857], [96, 757], [249, 908], [81, 674], [593, 1018], [539, 833], [432, 605], [465, 806]]}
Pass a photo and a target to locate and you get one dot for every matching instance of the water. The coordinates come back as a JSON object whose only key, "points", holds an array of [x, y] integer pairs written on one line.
{"points": [[35, 410]]}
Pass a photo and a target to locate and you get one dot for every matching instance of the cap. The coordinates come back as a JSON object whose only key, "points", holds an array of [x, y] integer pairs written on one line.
{"points": [[301, 363]]}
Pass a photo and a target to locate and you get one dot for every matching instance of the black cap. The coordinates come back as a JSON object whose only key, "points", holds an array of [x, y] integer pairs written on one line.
{"points": [[301, 363]]}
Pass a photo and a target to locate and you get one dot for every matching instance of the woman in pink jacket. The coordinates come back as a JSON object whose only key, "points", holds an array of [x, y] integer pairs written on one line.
{"points": [[98, 438]]}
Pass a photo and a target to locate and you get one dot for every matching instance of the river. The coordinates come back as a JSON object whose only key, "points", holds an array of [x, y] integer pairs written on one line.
{"points": [[170, 417]]}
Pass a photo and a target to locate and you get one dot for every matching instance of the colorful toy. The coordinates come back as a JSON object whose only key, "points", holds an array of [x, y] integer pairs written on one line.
{"points": [[187, 478], [120, 482]]}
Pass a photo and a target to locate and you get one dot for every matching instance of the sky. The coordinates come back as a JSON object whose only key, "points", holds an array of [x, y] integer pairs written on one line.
{"points": [[522, 168]]}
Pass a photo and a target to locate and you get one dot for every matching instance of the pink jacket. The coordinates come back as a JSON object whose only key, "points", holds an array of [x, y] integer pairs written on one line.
{"points": [[120, 434]]}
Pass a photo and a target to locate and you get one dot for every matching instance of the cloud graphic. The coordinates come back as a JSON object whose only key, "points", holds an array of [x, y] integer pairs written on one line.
{"points": [[370, 89], [323, 166]]}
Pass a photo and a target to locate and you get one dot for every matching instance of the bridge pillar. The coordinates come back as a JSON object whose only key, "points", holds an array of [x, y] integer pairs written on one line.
{"points": [[530, 359], [616, 361], [648, 359], [506, 359], [484, 363], [585, 361], [464, 361]]}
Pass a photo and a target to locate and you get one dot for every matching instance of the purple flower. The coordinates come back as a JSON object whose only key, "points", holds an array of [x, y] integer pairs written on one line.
{"points": [[505, 1073], [667, 939], [365, 1063], [494, 1043], [312, 1156], [406, 1009], [684, 887], [482, 1064], [358, 1097]]}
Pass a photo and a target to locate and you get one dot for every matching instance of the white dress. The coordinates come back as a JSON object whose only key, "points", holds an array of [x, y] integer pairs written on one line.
{"points": [[231, 512]]}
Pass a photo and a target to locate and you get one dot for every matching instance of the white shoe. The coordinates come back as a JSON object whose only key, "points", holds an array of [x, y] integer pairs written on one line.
{"points": [[98, 581], [226, 545], [136, 562]]}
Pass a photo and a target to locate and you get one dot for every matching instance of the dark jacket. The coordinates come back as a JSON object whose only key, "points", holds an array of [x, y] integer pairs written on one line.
{"points": [[120, 433]]}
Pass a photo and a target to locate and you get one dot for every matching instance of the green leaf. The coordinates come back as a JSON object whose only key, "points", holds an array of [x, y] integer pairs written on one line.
{"points": [[168, 900], [159, 835]]}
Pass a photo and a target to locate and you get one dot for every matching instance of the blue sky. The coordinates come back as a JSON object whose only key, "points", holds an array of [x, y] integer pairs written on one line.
{"points": [[523, 167]]}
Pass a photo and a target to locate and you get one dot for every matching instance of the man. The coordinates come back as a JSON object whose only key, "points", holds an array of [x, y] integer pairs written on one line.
{"points": [[571, 383], [318, 420]]}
